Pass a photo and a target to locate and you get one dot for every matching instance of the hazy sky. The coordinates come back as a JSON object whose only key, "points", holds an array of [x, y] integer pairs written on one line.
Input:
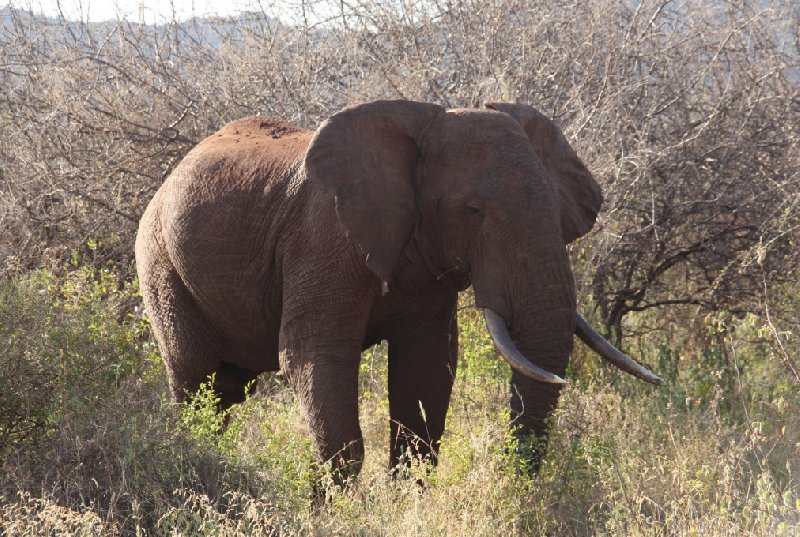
{"points": [[152, 10]]}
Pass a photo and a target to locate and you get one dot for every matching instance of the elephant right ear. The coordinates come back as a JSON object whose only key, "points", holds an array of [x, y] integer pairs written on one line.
{"points": [[366, 155], [579, 193]]}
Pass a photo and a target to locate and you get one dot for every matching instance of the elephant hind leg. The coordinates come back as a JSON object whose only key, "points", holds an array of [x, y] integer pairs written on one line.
{"points": [[190, 346], [230, 383]]}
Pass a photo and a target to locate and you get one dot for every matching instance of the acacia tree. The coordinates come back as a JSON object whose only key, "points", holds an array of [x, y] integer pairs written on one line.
{"points": [[687, 113]]}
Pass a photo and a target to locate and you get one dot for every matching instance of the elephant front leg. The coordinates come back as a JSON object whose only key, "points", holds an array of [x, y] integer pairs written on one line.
{"points": [[324, 319], [422, 368], [327, 387]]}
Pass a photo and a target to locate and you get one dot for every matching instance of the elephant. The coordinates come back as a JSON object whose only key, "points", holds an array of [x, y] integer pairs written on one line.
{"points": [[271, 247]]}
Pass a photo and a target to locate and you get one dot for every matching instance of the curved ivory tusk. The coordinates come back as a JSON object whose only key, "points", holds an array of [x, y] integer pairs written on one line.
{"points": [[608, 352], [502, 340]]}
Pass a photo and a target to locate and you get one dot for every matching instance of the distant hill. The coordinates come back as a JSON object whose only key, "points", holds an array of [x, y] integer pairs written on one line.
{"points": [[208, 31]]}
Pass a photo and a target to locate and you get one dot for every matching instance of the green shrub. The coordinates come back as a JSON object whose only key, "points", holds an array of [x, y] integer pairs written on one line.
{"points": [[68, 343], [91, 442]]}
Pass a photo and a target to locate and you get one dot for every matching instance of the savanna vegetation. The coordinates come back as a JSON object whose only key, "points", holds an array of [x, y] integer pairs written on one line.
{"points": [[687, 113]]}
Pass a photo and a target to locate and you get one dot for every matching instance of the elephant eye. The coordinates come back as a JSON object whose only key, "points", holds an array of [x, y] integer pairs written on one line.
{"points": [[471, 209]]}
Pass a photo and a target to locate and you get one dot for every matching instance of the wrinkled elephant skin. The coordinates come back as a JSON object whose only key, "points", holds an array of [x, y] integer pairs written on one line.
{"points": [[271, 247]]}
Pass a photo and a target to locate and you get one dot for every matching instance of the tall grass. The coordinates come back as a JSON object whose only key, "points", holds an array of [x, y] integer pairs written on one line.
{"points": [[686, 113], [92, 444]]}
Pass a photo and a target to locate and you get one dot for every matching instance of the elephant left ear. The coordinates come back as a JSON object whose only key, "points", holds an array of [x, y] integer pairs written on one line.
{"points": [[366, 155], [579, 193]]}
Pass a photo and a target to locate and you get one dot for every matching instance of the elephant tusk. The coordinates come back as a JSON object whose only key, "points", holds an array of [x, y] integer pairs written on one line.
{"points": [[502, 340], [608, 352]]}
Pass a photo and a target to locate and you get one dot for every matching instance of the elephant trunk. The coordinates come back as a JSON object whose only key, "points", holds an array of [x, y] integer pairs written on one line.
{"points": [[537, 309], [545, 334]]}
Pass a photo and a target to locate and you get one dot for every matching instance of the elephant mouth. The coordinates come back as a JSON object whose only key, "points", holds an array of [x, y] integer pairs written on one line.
{"points": [[461, 273], [498, 330]]}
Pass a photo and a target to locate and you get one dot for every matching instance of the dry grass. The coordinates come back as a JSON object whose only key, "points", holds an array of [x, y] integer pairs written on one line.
{"points": [[686, 112], [624, 458]]}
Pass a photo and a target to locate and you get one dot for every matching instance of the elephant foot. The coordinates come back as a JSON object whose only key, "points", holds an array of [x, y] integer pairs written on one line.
{"points": [[330, 479], [409, 449], [528, 453]]}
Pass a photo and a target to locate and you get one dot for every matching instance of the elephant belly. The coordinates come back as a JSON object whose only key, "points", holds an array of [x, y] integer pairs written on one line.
{"points": [[398, 314], [231, 292], [233, 305]]}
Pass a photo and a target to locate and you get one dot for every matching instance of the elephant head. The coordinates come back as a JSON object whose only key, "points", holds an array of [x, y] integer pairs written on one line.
{"points": [[486, 197]]}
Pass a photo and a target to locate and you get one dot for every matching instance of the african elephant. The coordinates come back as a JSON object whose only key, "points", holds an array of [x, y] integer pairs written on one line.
{"points": [[271, 248]]}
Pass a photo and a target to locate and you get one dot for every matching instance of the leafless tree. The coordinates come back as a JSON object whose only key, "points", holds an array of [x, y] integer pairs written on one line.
{"points": [[687, 112]]}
